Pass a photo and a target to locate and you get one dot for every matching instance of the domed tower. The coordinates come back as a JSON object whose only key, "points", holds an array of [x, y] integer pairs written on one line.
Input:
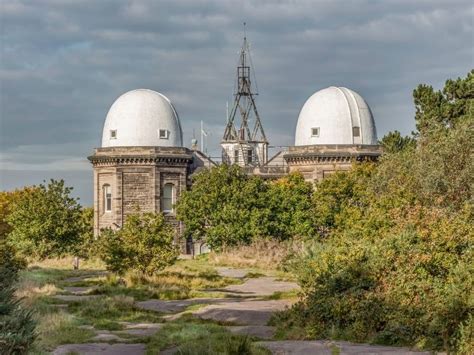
{"points": [[141, 165], [334, 128]]}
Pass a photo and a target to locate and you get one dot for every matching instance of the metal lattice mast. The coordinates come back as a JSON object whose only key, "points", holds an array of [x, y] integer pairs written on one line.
{"points": [[244, 107]]}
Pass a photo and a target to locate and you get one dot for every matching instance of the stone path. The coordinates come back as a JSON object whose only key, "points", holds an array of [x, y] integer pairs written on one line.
{"points": [[262, 286], [245, 312], [303, 347], [100, 348]]}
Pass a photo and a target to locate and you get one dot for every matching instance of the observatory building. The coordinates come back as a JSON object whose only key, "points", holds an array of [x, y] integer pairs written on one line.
{"points": [[142, 165], [334, 128]]}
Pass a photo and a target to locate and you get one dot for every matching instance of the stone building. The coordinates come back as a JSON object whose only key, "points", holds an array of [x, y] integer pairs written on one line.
{"points": [[141, 164]]}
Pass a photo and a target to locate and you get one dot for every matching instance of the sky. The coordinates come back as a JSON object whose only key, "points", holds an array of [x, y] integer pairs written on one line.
{"points": [[63, 63]]}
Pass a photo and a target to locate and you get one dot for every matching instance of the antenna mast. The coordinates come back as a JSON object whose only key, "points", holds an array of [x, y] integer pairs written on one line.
{"points": [[244, 141]]}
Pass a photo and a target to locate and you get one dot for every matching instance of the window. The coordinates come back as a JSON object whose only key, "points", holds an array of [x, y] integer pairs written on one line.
{"points": [[249, 156], [113, 134], [236, 156], [167, 198], [356, 131], [107, 191], [315, 132], [163, 134]]}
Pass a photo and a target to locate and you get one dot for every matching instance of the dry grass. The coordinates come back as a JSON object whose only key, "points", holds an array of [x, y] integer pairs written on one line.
{"points": [[66, 263], [264, 254]]}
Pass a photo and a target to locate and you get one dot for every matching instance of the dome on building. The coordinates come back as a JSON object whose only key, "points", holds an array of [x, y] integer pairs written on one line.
{"points": [[142, 117], [335, 115]]}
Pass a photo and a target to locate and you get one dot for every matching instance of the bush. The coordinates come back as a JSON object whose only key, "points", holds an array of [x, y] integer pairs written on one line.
{"points": [[46, 221], [17, 328], [144, 244]]}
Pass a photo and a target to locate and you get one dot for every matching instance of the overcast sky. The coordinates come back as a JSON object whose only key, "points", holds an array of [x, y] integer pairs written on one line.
{"points": [[63, 63]]}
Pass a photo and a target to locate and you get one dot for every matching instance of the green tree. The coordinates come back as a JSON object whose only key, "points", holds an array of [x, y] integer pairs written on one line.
{"points": [[46, 221], [144, 244], [286, 208], [394, 142], [223, 207], [444, 109]]}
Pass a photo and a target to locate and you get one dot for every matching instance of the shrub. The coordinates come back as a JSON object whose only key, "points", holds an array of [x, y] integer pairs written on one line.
{"points": [[144, 244], [17, 328], [46, 221]]}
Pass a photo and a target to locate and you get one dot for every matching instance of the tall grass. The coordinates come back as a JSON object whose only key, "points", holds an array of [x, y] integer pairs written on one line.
{"points": [[266, 254]]}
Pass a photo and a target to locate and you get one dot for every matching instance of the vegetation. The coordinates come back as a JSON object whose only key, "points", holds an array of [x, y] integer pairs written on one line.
{"points": [[45, 221], [17, 328], [393, 260], [196, 337], [229, 208], [144, 244]]}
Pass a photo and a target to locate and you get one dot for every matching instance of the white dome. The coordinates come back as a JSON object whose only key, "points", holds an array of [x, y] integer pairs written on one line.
{"points": [[335, 115], [142, 117]]}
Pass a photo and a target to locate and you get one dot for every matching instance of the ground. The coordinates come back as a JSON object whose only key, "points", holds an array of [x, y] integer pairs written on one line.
{"points": [[192, 307]]}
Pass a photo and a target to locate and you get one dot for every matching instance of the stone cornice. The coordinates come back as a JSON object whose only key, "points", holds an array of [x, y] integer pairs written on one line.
{"points": [[112, 160]]}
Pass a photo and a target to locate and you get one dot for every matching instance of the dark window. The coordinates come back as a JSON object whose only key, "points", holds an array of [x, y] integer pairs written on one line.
{"points": [[167, 198], [107, 190], [163, 134], [249, 156], [315, 132], [236, 156], [356, 131], [113, 134]]}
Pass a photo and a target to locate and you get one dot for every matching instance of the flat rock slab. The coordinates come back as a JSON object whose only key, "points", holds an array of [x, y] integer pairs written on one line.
{"points": [[257, 331], [180, 305], [303, 347], [140, 332], [75, 298], [79, 290], [262, 286], [231, 272], [107, 336], [243, 312], [100, 348]]}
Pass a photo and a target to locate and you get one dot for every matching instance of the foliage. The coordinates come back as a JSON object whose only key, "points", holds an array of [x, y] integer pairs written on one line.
{"points": [[7, 200], [222, 206], [17, 328], [447, 108], [395, 265], [87, 246], [393, 142], [45, 222], [226, 207], [287, 208], [144, 244]]}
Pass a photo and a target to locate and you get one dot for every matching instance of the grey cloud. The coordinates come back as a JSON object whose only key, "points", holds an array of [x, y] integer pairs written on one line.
{"points": [[64, 63]]}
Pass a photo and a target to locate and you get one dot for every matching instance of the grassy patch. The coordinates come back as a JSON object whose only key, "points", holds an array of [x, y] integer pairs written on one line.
{"points": [[107, 312], [282, 295], [196, 337], [60, 328]]}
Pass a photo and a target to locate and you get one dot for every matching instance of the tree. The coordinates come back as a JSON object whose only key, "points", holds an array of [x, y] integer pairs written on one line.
{"points": [[393, 142], [287, 208], [223, 207], [46, 221], [144, 244], [444, 109]]}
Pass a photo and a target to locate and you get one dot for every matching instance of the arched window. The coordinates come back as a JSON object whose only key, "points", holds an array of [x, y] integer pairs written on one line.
{"points": [[107, 193], [167, 199]]}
